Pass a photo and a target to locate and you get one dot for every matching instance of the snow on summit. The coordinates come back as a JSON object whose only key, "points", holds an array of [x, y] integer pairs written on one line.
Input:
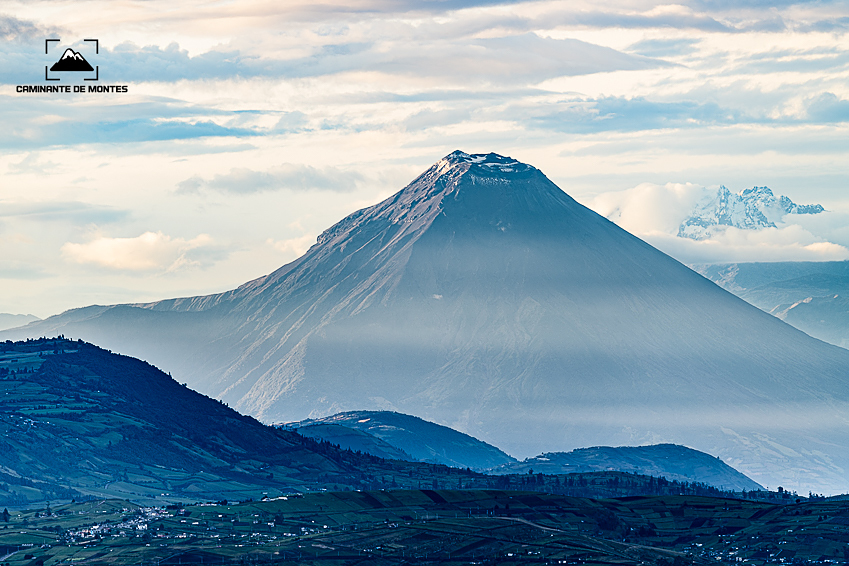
{"points": [[750, 209], [491, 161]]}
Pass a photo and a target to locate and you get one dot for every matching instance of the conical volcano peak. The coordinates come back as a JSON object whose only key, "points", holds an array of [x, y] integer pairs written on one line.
{"points": [[491, 162], [482, 185], [491, 300]]}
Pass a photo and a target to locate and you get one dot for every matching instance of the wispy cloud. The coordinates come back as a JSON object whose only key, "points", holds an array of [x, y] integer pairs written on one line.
{"points": [[59, 121], [510, 59], [15, 29], [289, 177], [64, 211]]}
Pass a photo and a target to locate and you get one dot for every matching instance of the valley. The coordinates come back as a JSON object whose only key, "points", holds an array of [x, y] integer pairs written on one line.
{"points": [[432, 527], [80, 422]]}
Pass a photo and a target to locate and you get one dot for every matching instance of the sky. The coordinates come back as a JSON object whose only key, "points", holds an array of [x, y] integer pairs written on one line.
{"points": [[250, 127]]}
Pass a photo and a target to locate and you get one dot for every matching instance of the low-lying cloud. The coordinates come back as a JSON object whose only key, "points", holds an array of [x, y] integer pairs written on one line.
{"points": [[655, 212], [151, 251]]}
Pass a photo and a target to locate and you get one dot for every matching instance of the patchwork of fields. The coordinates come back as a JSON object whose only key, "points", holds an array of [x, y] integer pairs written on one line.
{"points": [[432, 527]]}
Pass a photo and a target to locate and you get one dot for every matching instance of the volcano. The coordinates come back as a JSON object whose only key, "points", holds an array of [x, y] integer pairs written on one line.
{"points": [[483, 297]]}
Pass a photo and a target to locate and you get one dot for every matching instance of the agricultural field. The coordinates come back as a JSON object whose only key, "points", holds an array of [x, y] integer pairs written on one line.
{"points": [[432, 527]]}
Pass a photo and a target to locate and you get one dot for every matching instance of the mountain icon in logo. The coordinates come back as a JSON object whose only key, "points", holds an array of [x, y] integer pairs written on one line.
{"points": [[71, 61]]}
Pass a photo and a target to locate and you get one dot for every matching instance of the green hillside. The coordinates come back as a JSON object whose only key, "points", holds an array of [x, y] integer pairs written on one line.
{"points": [[80, 421]]}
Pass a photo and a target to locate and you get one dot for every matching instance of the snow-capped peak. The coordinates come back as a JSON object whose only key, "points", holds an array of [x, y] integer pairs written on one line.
{"points": [[490, 161], [750, 209]]}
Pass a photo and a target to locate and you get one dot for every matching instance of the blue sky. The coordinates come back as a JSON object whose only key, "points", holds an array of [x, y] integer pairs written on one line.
{"points": [[250, 127]]}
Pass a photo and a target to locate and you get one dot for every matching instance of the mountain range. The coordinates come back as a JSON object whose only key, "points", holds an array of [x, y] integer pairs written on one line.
{"points": [[15, 320], [397, 436], [483, 297], [750, 209], [811, 296]]}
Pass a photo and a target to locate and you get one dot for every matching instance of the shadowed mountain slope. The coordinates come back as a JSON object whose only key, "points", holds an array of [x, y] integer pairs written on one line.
{"points": [[483, 297], [352, 439], [15, 320], [670, 461], [81, 421], [415, 438]]}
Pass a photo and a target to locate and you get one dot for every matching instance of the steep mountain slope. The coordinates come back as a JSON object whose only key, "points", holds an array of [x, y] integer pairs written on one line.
{"points": [[483, 297], [415, 437], [670, 461]]}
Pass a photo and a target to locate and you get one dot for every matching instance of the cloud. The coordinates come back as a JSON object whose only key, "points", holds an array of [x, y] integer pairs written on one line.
{"points": [[664, 47], [807, 61], [512, 58], [828, 108], [676, 17], [291, 177], [64, 211], [151, 251], [788, 243], [32, 163], [586, 115], [649, 208], [527, 58], [139, 130], [762, 4], [654, 213], [14, 29], [297, 246], [39, 121], [828, 25]]}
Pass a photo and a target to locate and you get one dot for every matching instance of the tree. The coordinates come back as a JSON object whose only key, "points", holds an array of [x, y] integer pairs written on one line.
{"points": [[6, 515]]}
